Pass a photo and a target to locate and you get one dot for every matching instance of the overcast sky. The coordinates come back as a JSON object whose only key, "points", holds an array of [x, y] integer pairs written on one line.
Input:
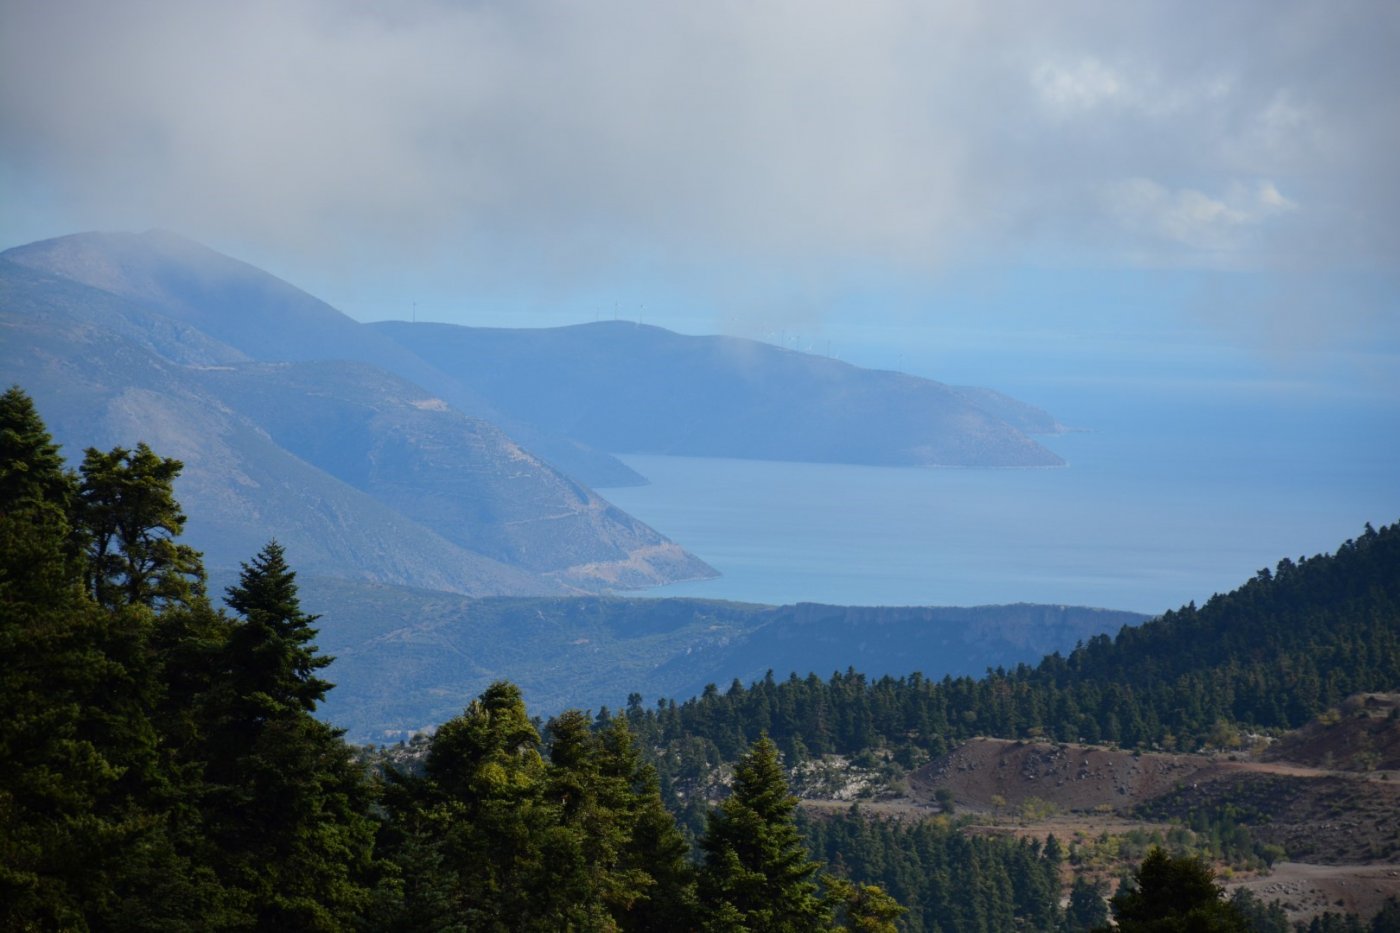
{"points": [[765, 168]]}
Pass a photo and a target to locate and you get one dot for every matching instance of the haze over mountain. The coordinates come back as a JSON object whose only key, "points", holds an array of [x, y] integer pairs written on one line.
{"points": [[409, 659], [268, 450], [259, 317], [630, 388], [364, 450]]}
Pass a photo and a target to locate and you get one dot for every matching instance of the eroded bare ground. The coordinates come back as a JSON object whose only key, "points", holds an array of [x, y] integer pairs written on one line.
{"points": [[1334, 811], [1308, 890]]}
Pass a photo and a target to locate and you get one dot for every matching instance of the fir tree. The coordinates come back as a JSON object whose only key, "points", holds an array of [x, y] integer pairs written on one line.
{"points": [[83, 789], [1175, 894], [757, 875], [272, 654], [287, 813], [129, 519], [1087, 908], [482, 801]]}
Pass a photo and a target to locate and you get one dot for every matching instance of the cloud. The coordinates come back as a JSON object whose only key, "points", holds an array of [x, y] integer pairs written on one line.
{"points": [[1079, 87], [559, 144], [1193, 219]]}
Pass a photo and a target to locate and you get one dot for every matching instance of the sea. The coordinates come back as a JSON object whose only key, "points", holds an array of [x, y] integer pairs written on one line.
{"points": [[1171, 493]]}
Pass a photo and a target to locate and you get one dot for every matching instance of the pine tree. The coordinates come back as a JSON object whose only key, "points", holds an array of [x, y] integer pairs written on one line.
{"points": [[1087, 909], [757, 875], [1175, 894], [481, 805], [287, 813], [272, 653], [83, 790], [129, 519]]}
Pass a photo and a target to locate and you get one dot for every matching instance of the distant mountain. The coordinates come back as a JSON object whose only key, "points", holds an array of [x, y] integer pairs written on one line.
{"points": [[256, 316], [629, 388], [450, 458], [409, 659], [1023, 417], [458, 476], [357, 472]]}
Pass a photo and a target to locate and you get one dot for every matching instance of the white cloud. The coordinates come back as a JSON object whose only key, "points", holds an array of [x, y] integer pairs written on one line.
{"points": [[1193, 219], [551, 143], [1082, 86]]}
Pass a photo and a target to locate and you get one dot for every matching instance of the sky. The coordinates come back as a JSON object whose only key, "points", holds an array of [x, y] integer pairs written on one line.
{"points": [[1169, 188]]}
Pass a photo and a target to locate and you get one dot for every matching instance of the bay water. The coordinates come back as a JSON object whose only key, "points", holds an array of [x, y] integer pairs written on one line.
{"points": [[1165, 499]]}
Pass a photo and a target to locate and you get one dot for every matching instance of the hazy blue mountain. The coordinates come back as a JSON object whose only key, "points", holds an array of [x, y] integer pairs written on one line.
{"points": [[459, 476], [408, 659], [395, 452], [629, 388], [261, 317], [357, 472], [573, 395], [1024, 417]]}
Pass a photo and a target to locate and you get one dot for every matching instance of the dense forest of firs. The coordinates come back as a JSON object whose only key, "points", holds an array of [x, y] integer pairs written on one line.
{"points": [[1271, 655], [161, 767]]}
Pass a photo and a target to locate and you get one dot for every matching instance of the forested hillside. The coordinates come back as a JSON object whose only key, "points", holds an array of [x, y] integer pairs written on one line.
{"points": [[161, 766], [161, 769], [1270, 655]]}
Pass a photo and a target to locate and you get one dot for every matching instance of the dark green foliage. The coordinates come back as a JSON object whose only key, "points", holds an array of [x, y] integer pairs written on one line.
{"points": [[1087, 907], [946, 879], [85, 792], [286, 820], [152, 776], [1388, 919], [1332, 922], [495, 836], [1175, 894], [866, 908], [31, 467], [129, 520], [270, 655], [1222, 830], [36, 495], [161, 767], [757, 874], [1260, 917], [1270, 655]]}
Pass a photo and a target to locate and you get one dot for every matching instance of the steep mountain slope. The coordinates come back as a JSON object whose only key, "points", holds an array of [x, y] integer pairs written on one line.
{"points": [[568, 394], [628, 388], [264, 318], [411, 495], [101, 384], [461, 477]]}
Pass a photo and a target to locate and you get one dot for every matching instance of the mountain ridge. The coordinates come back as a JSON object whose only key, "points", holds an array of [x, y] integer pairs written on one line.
{"points": [[375, 460], [715, 396], [108, 370]]}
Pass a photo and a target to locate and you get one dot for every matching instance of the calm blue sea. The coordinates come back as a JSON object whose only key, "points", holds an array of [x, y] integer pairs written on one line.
{"points": [[1168, 497]]}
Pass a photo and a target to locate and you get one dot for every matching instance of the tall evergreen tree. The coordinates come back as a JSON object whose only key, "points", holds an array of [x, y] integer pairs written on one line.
{"points": [[36, 499], [129, 518], [287, 813], [1175, 895], [481, 802], [51, 772], [1087, 909], [757, 875], [272, 654], [83, 792]]}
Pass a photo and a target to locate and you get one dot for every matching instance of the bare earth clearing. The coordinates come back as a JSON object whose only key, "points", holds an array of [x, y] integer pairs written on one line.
{"points": [[1329, 794]]}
